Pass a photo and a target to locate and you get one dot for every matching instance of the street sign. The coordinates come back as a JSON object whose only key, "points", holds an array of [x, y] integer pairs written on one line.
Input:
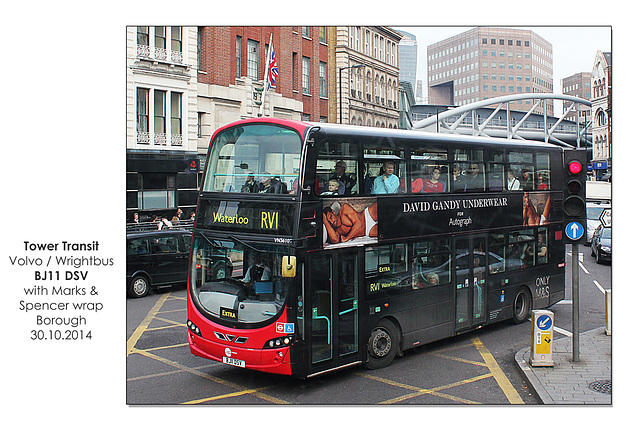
{"points": [[544, 322], [574, 230], [605, 218], [541, 353]]}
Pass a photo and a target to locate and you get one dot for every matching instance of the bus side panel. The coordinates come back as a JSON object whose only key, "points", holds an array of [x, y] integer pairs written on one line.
{"points": [[430, 319]]}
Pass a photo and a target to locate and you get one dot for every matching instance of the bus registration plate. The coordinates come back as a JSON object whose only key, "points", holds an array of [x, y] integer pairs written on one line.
{"points": [[233, 362]]}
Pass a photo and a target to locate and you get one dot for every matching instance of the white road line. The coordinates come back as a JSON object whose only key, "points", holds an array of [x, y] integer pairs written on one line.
{"points": [[562, 331], [595, 282], [583, 268]]}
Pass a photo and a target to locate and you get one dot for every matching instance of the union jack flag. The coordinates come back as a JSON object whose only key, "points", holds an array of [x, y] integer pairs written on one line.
{"points": [[272, 72]]}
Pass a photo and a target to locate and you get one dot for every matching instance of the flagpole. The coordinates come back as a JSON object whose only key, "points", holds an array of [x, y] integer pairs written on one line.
{"points": [[266, 76]]}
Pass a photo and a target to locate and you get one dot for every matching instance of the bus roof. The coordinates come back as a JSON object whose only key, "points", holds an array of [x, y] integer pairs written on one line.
{"points": [[365, 131]]}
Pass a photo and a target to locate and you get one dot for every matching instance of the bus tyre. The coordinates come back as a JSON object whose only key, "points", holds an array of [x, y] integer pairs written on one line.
{"points": [[522, 306], [138, 287], [383, 345]]}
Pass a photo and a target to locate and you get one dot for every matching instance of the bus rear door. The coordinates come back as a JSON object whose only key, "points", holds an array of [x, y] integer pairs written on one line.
{"points": [[333, 278]]}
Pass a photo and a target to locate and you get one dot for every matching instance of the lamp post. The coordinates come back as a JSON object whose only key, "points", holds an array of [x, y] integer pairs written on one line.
{"points": [[340, 84]]}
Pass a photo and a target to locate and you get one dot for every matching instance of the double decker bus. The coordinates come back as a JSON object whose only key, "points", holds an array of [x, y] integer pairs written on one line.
{"points": [[319, 246]]}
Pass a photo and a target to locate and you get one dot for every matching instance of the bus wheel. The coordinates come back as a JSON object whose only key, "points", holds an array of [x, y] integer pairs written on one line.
{"points": [[138, 287], [522, 306], [383, 345]]}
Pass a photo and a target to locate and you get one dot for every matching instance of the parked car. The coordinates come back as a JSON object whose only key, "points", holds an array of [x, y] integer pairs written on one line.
{"points": [[601, 244], [156, 258], [594, 210]]}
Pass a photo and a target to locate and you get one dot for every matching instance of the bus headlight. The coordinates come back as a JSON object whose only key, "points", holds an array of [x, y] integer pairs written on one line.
{"points": [[279, 342], [193, 328]]}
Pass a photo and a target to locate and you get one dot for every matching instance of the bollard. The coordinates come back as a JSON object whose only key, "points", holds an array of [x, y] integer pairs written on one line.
{"points": [[541, 353], [607, 311]]}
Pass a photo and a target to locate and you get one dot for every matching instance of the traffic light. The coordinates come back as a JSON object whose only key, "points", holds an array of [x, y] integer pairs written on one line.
{"points": [[575, 204]]}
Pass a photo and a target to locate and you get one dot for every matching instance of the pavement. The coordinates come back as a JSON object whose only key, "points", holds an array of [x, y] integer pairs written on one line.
{"points": [[587, 382]]}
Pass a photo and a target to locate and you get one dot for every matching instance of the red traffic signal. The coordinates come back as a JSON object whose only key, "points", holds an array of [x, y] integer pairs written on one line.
{"points": [[575, 167]]}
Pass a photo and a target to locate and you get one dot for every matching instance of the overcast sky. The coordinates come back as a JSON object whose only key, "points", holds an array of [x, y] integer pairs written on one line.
{"points": [[574, 47]]}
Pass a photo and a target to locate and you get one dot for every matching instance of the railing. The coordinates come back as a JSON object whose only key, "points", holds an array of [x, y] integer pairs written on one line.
{"points": [[159, 54], [185, 224], [466, 120]]}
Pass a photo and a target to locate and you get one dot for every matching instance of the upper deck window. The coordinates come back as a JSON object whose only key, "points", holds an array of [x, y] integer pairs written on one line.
{"points": [[260, 159]]}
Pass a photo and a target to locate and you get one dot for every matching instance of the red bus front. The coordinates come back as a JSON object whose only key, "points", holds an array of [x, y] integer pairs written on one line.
{"points": [[242, 302]]}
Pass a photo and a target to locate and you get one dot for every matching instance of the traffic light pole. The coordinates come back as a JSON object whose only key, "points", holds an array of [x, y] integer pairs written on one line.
{"points": [[575, 301]]}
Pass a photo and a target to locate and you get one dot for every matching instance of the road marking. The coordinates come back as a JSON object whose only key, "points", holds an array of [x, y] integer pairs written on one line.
{"points": [[562, 331], [583, 267], [144, 327], [193, 371], [458, 359], [133, 340], [502, 380], [421, 391], [595, 282], [224, 396]]}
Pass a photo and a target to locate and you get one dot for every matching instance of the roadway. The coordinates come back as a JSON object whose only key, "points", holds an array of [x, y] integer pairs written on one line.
{"points": [[476, 368]]}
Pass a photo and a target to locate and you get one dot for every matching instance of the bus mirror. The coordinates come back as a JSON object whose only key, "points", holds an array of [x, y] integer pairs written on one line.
{"points": [[288, 266]]}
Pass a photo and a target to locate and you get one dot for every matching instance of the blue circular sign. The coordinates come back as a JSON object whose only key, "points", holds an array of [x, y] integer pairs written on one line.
{"points": [[574, 230], [544, 322]]}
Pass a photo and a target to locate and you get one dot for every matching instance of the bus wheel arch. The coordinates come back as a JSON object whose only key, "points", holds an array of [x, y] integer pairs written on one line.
{"points": [[139, 286], [383, 345], [522, 305]]}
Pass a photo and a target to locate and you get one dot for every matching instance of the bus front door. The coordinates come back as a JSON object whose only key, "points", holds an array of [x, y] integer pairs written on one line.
{"points": [[471, 283], [333, 290]]}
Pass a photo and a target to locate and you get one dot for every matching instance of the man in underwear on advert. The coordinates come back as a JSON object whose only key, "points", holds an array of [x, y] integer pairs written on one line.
{"points": [[344, 223]]}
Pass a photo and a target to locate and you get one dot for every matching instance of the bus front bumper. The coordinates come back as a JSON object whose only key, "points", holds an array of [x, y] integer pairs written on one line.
{"points": [[276, 360]]}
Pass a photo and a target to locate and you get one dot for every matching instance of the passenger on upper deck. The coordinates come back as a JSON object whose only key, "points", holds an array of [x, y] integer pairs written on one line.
{"points": [[387, 183], [433, 185], [341, 175], [458, 180], [269, 184], [474, 179], [250, 185], [512, 182], [332, 188]]}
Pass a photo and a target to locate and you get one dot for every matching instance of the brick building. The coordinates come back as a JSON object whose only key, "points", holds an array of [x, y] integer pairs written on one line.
{"points": [[231, 66]]}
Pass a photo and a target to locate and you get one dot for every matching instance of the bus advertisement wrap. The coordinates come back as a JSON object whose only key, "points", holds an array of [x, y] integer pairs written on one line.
{"points": [[351, 221], [458, 213]]}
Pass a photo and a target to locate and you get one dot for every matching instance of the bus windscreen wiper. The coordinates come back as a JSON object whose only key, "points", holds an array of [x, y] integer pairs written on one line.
{"points": [[217, 246], [246, 244]]}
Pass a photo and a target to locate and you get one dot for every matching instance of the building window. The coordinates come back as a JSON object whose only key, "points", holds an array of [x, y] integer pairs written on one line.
{"points": [[176, 39], [306, 32], [322, 34], [367, 36], [200, 120], [156, 191], [159, 99], [294, 74], [142, 110], [176, 113], [160, 38], [199, 48], [238, 56], [252, 59], [306, 81], [143, 36], [323, 79]]}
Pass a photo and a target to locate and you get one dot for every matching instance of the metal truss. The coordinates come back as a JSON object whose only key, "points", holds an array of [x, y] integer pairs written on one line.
{"points": [[464, 120]]}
